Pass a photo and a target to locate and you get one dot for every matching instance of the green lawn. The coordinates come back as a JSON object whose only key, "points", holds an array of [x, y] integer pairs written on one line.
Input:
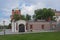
{"points": [[0, 30], [32, 36]]}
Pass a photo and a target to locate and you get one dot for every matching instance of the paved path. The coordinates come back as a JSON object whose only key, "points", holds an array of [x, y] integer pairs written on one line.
{"points": [[8, 31]]}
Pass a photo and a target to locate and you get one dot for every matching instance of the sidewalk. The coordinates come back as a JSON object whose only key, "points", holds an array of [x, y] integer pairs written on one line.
{"points": [[8, 31]]}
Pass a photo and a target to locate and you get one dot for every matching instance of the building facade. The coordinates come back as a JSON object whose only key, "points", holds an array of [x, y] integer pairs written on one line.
{"points": [[15, 11], [32, 26]]}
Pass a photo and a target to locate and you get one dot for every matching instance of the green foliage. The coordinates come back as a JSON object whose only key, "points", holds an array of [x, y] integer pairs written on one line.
{"points": [[6, 26], [16, 17], [23, 17], [2, 26], [9, 26], [44, 13], [28, 17]]}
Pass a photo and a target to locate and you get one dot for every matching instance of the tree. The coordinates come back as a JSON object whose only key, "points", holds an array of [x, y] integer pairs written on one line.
{"points": [[9, 26], [23, 17], [28, 17], [16, 17], [45, 14]]}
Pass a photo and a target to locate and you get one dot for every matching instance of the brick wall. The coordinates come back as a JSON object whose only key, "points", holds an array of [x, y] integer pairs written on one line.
{"points": [[37, 26], [15, 11]]}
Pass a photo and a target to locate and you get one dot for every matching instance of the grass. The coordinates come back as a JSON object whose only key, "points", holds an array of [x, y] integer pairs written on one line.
{"points": [[0, 30], [32, 36]]}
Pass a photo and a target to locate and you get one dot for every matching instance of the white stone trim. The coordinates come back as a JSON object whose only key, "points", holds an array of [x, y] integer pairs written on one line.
{"points": [[19, 22]]}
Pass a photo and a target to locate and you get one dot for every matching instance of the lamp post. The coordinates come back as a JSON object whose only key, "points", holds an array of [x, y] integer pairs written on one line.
{"points": [[4, 26]]}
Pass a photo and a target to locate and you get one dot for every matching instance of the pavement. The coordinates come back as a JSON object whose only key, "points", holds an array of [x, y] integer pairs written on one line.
{"points": [[8, 31]]}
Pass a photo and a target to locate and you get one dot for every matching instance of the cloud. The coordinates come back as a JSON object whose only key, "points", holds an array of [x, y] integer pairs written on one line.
{"points": [[30, 9], [26, 6], [7, 21], [11, 4], [52, 4], [5, 9]]}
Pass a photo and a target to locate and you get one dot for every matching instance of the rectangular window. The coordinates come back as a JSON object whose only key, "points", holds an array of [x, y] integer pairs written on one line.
{"points": [[42, 26], [30, 26]]}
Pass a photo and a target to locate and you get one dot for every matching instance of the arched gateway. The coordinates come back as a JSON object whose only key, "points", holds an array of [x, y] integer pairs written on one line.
{"points": [[21, 28]]}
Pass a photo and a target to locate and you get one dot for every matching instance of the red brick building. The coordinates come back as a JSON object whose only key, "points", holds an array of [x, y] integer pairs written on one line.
{"points": [[15, 11], [27, 26]]}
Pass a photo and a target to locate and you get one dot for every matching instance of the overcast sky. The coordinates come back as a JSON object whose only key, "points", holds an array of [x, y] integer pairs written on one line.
{"points": [[26, 6]]}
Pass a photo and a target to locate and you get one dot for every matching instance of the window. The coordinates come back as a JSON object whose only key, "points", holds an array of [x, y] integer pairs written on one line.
{"points": [[30, 26], [42, 26]]}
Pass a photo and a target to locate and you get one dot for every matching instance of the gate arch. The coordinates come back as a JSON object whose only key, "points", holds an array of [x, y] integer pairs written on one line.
{"points": [[21, 28]]}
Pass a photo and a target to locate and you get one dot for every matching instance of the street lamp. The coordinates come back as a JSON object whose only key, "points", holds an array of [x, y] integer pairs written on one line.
{"points": [[4, 26]]}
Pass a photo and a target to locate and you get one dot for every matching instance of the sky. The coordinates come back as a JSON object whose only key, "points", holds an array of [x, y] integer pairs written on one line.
{"points": [[26, 7]]}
